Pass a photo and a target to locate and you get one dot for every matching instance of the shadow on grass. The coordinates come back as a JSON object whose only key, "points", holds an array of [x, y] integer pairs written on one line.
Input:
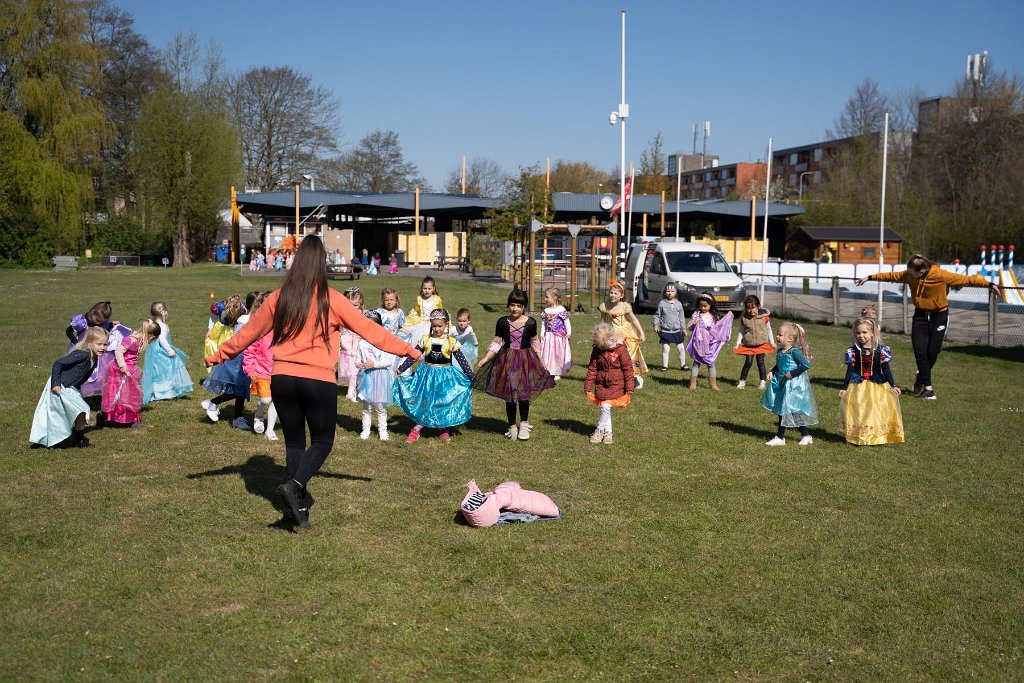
{"points": [[574, 426], [827, 382], [769, 431], [1011, 354], [261, 475], [485, 424]]}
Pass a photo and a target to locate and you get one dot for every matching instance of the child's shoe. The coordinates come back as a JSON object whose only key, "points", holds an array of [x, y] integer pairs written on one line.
{"points": [[524, 431], [383, 434], [213, 412], [258, 425], [664, 368], [414, 435], [597, 436], [685, 367], [776, 441], [240, 423], [271, 435], [445, 437], [806, 440], [741, 384], [205, 404], [365, 434], [761, 385], [513, 432], [607, 438], [639, 382], [558, 377]]}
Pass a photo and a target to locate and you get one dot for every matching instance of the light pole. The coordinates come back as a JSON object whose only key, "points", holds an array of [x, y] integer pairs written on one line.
{"points": [[619, 116], [800, 192], [312, 182]]}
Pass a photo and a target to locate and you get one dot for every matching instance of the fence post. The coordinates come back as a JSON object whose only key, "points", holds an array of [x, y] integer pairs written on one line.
{"points": [[783, 304], [835, 301], [993, 309]]}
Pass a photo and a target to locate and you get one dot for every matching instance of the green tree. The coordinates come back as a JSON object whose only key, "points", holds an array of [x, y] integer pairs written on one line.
{"points": [[650, 177], [186, 155], [52, 127], [579, 176], [525, 198]]}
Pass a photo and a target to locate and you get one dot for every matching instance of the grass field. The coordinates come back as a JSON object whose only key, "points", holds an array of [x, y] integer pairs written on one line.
{"points": [[689, 550]]}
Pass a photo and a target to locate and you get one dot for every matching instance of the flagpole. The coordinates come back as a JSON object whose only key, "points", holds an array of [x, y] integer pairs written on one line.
{"points": [[628, 206], [623, 114], [679, 185], [881, 222], [764, 236]]}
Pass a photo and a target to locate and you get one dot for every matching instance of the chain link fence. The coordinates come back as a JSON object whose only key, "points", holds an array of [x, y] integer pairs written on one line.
{"points": [[976, 315]]}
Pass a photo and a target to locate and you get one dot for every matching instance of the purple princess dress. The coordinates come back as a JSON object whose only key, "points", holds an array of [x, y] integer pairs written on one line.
{"points": [[708, 338], [516, 372]]}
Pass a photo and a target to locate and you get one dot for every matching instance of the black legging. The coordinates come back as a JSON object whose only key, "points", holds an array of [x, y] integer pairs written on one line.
{"points": [[748, 361], [927, 331], [781, 433], [239, 403], [510, 411], [300, 402]]}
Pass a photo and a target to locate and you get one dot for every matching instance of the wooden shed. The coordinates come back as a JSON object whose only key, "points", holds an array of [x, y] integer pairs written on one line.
{"points": [[849, 245]]}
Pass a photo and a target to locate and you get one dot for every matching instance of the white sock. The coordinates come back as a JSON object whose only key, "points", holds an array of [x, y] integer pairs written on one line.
{"points": [[262, 406], [271, 417]]}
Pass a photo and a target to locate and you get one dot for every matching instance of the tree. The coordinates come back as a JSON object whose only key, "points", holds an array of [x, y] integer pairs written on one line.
{"points": [[51, 128], [864, 112], [651, 178], [186, 153], [525, 198], [579, 176], [484, 177], [288, 127], [376, 164]]}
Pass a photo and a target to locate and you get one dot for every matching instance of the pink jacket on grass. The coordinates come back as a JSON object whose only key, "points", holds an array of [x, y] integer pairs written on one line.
{"points": [[258, 357], [507, 496]]}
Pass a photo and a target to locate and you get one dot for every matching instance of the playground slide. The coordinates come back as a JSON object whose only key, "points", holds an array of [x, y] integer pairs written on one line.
{"points": [[1011, 292]]}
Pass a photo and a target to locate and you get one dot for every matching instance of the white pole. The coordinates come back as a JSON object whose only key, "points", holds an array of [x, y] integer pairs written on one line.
{"points": [[679, 185], [764, 234], [623, 115], [629, 221], [881, 222]]}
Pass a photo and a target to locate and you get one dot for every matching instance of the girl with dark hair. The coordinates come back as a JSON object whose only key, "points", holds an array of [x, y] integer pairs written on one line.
{"points": [[710, 331], [307, 316], [512, 369], [929, 286]]}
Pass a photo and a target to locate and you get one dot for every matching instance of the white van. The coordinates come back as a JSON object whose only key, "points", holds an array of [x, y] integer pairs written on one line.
{"points": [[694, 268]]}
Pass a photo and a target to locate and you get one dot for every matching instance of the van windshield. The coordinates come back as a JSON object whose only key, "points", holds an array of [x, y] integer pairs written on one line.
{"points": [[697, 262]]}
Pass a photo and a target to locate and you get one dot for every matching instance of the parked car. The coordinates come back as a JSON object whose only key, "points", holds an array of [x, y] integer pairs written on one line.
{"points": [[694, 268]]}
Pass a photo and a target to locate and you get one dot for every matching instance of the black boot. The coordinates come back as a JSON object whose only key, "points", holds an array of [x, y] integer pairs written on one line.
{"points": [[291, 495], [78, 439]]}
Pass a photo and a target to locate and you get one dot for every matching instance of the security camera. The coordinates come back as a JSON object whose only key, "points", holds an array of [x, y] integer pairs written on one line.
{"points": [[613, 118]]}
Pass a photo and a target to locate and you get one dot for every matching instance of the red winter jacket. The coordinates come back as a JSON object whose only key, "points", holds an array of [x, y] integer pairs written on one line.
{"points": [[610, 373]]}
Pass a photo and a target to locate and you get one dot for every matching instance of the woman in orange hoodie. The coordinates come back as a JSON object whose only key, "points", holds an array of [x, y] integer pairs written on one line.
{"points": [[306, 316], [929, 286]]}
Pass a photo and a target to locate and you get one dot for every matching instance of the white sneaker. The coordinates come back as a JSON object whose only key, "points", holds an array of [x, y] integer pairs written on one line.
{"points": [[597, 436], [205, 403], [271, 435], [761, 385], [741, 384], [558, 377], [775, 441], [365, 434], [213, 412], [383, 434], [513, 432], [806, 441], [524, 431], [639, 382], [258, 425]]}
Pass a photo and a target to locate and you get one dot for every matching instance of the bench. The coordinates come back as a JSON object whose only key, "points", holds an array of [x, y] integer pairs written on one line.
{"points": [[61, 263], [346, 270], [457, 261]]}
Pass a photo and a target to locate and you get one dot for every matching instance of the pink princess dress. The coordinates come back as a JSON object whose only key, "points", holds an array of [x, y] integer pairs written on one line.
{"points": [[554, 344], [122, 392]]}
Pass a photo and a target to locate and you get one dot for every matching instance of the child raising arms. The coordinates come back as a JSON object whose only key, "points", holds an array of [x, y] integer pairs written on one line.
{"points": [[555, 331], [610, 380], [710, 332], [754, 340], [616, 312], [788, 393], [669, 324], [869, 410]]}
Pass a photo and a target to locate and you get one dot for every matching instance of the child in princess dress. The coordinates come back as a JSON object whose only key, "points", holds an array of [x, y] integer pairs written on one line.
{"points": [[555, 330], [229, 381], [258, 365], [390, 311], [619, 314], [122, 393], [374, 384], [464, 334], [438, 394], [61, 413], [869, 407], [417, 321], [98, 316], [348, 373], [788, 393], [223, 315], [710, 331], [164, 375]]}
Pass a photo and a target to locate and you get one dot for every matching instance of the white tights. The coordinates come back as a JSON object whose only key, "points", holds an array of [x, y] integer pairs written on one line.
{"points": [[265, 406], [382, 416], [665, 348], [604, 420]]}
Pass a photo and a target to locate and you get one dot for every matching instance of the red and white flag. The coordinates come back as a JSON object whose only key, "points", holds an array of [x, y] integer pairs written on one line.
{"points": [[628, 194]]}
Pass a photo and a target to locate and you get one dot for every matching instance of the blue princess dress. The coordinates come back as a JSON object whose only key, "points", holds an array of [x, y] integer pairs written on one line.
{"points": [[791, 399], [467, 341], [374, 385], [164, 376], [229, 377], [438, 394]]}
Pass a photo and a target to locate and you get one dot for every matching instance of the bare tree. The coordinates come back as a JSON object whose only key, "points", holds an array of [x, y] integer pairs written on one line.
{"points": [[288, 127], [864, 112], [484, 177], [651, 178], [376, 164]]}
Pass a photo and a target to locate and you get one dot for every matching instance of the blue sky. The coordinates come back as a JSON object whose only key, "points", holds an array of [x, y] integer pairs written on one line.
{"points": [[522, 82]]}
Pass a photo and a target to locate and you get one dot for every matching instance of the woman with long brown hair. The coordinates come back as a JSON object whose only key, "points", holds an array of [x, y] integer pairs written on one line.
{"points": [[306, 316]]}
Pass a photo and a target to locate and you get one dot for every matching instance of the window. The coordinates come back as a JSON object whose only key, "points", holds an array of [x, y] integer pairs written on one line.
{"points": [[698, 262], [658, 265], [817, 153], [868, 252], [792, 159]]}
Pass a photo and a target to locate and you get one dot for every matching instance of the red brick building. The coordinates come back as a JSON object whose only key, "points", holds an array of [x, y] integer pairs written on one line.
{"points": [[722, 181]]}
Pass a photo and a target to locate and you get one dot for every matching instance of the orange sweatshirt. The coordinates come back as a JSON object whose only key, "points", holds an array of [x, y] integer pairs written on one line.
{"points": [[930, 292], [305, 355]]}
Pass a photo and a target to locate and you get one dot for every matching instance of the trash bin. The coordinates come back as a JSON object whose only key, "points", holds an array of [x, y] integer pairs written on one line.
{"points": [[400, 257]]}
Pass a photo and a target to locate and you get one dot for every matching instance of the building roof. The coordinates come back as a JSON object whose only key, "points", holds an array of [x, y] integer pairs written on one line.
{"points": [[846, 234], [651, 204]]}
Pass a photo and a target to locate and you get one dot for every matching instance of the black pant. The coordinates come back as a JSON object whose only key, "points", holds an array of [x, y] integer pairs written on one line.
{"points": [[927, 331], [748, 361], [510, 411], [301, 402], [781, 433]]}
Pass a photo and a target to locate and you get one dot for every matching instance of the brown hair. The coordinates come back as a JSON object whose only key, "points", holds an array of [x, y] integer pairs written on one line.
{"points": [[919, 263], [233, 309], [390, 290], [876, 332], [99, 313], [604, 336], [305, 282]]}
